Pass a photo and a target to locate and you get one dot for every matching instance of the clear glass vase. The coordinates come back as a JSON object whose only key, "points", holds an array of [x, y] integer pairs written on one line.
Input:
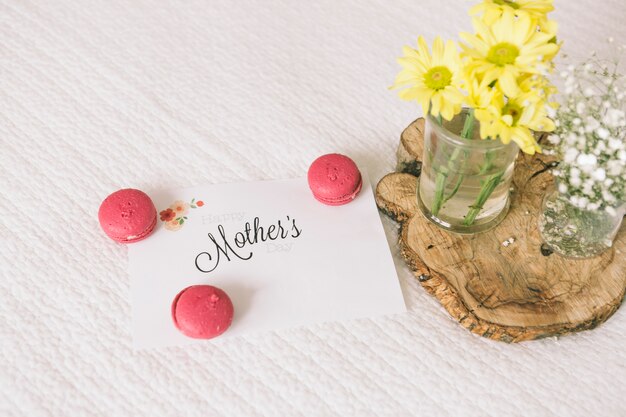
{"points": [[465, 184], [574, 232]]}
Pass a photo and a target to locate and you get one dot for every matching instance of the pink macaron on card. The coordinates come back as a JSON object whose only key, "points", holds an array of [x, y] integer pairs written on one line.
{"points": [[284, 258]]}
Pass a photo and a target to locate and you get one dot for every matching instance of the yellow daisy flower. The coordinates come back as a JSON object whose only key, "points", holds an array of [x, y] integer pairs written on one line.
{"points": [[493, 9], [432, 80], [514, 120], [535, 87], [479, 93], [505, 50], [550, 27]]}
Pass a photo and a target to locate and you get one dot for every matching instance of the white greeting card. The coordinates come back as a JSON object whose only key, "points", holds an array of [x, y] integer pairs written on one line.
{"points": [[284, 258]]}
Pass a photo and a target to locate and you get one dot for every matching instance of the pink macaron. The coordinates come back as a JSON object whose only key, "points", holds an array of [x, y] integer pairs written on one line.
{"points": [[202, 311], [127, 216], [334, 179]]}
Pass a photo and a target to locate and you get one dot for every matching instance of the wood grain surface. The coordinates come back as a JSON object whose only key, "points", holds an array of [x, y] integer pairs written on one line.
{"points": [[507, 292]]}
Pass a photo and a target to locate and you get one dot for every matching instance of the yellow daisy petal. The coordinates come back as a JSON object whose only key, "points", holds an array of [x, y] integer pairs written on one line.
{"points": [[438, 51], [508, 84], [483, 31], [409, 94], [423, 49], [435, 103], [451, 54], [505, 134]]}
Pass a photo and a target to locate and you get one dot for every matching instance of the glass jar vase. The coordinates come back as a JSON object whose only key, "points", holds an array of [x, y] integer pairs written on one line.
{"points": [[575, 232], [465, 184]]}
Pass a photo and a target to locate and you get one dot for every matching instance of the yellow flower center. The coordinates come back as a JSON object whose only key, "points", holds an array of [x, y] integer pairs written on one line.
{"points": [[513, 110], [502, 54], [509, 3], [437, 78]]}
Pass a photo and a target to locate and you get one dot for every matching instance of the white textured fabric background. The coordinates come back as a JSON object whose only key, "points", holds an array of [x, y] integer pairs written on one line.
{"points": [[96, 96]]}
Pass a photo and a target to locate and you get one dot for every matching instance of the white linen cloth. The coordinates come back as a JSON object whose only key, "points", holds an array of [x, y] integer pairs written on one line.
{"points": [[100, 95]]}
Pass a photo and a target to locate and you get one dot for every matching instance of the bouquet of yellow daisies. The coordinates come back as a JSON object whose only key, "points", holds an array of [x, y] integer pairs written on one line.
{"points": [[498, 73]]}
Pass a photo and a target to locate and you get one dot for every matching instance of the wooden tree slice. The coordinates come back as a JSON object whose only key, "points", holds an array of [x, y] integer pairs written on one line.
{"points": [[410, 148], [509, 293]]}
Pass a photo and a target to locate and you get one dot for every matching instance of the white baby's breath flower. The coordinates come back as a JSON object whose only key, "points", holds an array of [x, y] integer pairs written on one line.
{"points": [[615, 144], [599, 174], [591, 124], [554, 139], [586, 160], [608, 197], [570, 155], [602, 133], [614, 118], [590, 136], [571, 138], [614, 167]]}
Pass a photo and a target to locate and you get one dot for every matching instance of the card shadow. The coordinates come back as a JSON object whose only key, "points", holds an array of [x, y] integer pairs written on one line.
{"points": [[241, 296]]}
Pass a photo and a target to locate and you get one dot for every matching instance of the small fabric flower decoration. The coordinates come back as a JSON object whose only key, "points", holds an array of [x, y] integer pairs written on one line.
{"points": [[180, 208], [173, 225], [175, 216], [167, 215]]}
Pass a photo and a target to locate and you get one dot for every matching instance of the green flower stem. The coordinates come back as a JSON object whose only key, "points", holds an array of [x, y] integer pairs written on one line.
{"points": [[468, 126], [467, 132], [456, 187], [440, 183], [439, 200], [440, 180], [488, 163], [488, 187], [485, 191]]}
